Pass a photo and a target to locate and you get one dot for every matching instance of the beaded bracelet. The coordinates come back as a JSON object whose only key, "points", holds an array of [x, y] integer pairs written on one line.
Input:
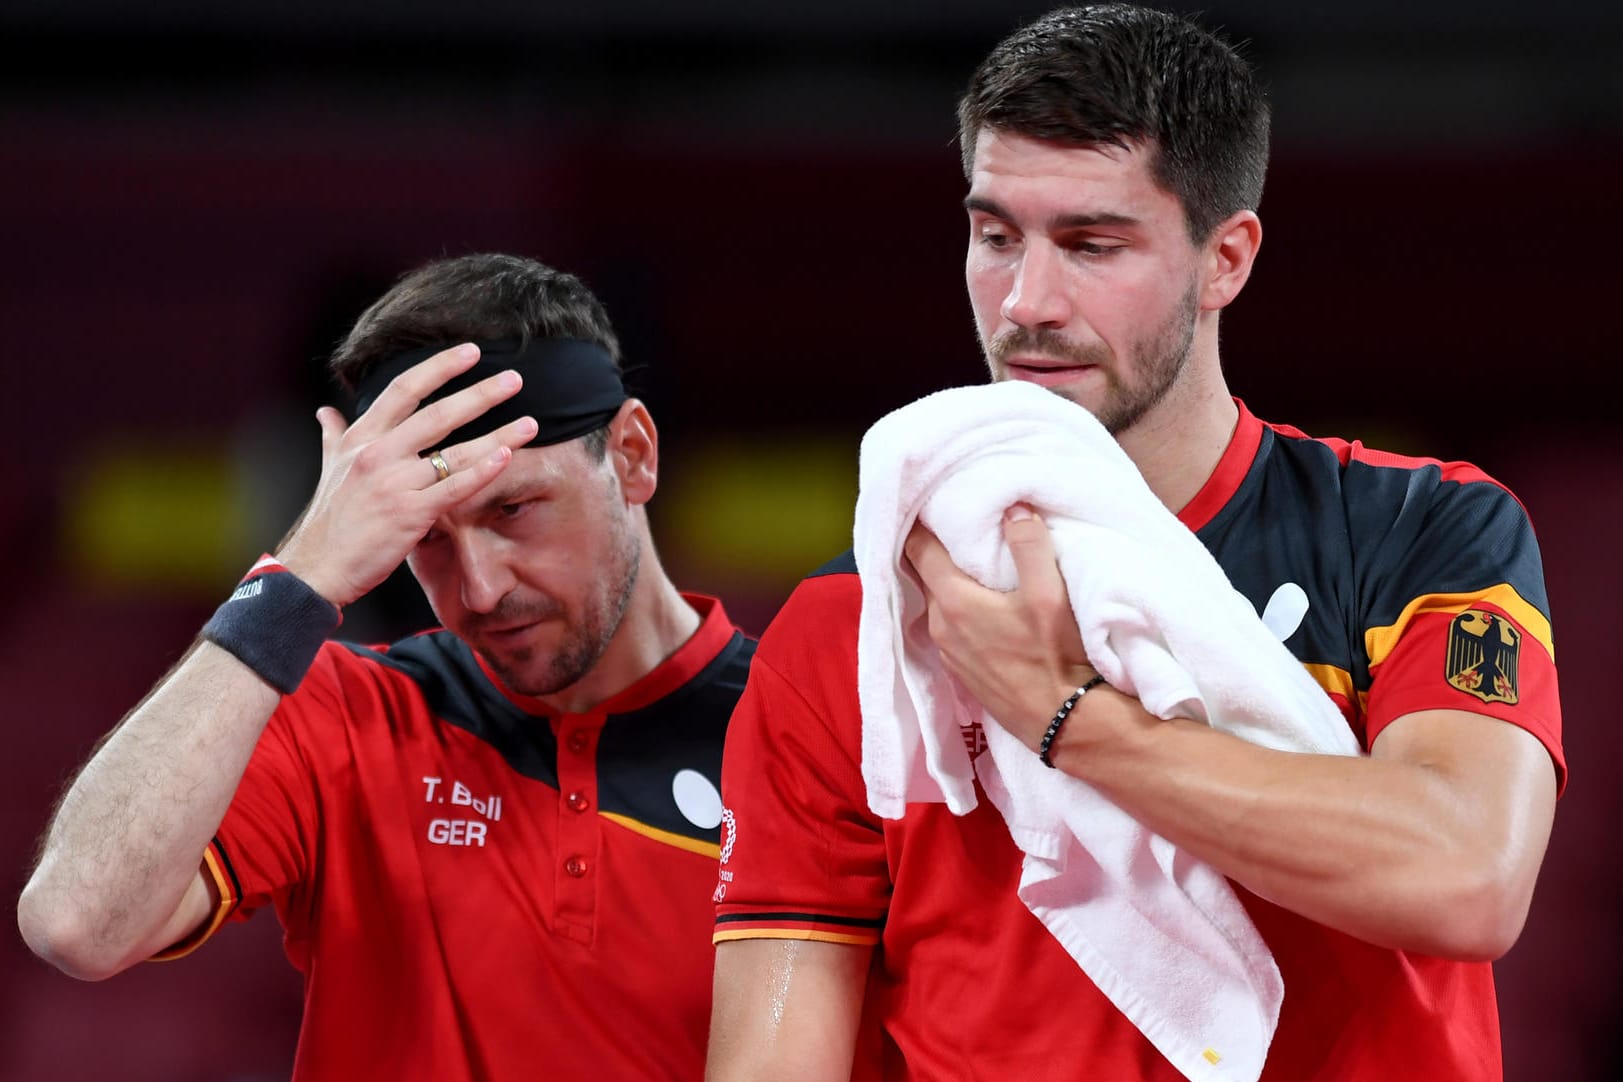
{"points": [[274, 623], [1060, 715]]}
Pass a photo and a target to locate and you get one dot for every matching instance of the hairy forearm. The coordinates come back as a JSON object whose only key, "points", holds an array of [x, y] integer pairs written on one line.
{"points": [[127, 838], [1399, 851]]}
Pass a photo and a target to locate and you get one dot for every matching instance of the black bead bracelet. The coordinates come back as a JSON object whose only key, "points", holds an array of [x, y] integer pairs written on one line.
{"points": [[1060, 715]]}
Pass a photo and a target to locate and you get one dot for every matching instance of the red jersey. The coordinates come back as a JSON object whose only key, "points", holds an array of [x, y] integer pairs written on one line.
{"points": [[1425, 591], [476, 887]]}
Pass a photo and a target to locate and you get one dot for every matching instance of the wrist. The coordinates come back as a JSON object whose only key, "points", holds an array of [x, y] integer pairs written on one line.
{"points": [[274, 623], [308, 570], [1048, 746]]}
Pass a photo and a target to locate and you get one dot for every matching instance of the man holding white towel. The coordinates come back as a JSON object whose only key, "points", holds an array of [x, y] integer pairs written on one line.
{"points": [[1115, 157]]}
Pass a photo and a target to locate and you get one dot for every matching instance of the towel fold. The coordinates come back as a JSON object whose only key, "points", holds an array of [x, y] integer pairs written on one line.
{"points": [[1161, 934]]}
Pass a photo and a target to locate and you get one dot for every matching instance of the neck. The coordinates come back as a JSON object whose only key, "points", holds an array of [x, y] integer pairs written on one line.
{"points": [[1178, 444], [657, 622]]}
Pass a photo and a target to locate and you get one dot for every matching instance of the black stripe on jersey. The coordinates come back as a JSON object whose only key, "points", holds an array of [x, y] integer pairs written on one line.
{"points": [[638, 753], [1363, 541], [230, 871], [843, 564], [459, 693], [802, 918]]}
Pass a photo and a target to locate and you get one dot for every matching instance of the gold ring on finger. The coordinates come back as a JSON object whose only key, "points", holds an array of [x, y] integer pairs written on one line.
{"points": [[441, 470]]}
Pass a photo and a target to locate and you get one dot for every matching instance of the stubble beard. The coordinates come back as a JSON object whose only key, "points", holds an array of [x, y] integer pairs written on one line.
{"points": [[1157, 359], [584, 642]]}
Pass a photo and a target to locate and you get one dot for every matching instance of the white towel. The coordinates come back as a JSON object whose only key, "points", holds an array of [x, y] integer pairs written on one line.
{"points": [[1161, 934]]}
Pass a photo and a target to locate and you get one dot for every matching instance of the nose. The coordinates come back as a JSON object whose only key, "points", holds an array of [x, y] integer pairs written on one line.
{"points": [[1038, 297], [485, 575]]}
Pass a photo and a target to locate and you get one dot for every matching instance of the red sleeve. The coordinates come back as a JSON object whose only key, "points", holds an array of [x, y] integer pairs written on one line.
{"points": [[802, 857], [1457, 616], [1442, 662]]}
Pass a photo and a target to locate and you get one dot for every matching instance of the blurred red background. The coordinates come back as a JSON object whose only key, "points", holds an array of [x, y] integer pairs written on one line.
{"points": [[195, 205]]}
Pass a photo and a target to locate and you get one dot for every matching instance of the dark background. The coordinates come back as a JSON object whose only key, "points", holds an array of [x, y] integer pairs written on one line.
{"points": [[196, 198]]}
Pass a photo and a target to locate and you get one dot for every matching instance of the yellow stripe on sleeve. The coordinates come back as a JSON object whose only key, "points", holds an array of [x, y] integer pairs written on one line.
{"points": [[856, 940], [1334, 680], [1379, 641], [222, 910]]}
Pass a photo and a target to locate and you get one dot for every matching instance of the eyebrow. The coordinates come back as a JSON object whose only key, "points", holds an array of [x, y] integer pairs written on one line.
{"points": [[1061, 221], [512, 492]]}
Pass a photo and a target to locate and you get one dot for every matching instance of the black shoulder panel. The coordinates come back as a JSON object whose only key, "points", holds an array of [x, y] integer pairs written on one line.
{"points": [[641, 752], [459, 693], [843, 564], [1428, 533]]}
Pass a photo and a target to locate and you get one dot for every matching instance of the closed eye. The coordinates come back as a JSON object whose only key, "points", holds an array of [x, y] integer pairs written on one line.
{"points": [[1091, 246]]}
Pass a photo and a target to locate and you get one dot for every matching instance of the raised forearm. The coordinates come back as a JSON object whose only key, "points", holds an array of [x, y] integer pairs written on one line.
{"points": [[1431, 844], [128, 836]]}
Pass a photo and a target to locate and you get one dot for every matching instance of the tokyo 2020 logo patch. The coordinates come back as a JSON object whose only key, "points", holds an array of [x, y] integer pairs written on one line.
{"points": [[729, 836], [729, 833]]}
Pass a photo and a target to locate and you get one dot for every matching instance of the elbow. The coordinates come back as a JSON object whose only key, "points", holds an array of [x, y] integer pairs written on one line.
{"points": [[1483, 916], [63, 938], [1493, 931]]}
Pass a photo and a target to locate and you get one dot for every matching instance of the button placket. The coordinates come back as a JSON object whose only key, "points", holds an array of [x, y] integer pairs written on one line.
{"points": [[578, 832]]}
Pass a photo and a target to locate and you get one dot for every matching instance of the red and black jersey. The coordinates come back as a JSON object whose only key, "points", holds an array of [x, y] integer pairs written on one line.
{"points": [[476, 887], [1424, 590]]}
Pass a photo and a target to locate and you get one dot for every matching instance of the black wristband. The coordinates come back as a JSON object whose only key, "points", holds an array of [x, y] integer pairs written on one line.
{"points": [[1060, 715], [274, 623]]}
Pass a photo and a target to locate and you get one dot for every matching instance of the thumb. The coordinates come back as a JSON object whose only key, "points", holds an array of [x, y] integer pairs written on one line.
{"points": [[1031, 547], [333, 427]]}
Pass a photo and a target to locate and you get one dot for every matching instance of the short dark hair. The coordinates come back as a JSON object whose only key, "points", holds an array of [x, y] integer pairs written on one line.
{"points": [[482, 297], [1119, 75]]}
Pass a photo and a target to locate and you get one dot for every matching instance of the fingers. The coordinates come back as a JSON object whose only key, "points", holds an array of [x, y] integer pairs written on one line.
{"points": [[406, 391], [396, 415], [929, 558], [431, 424], [462, 457], [468, 481]]}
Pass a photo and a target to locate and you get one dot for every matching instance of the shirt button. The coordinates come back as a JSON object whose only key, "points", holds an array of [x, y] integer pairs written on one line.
{"points": [[578, 741], [575, 866], [578, 801]]}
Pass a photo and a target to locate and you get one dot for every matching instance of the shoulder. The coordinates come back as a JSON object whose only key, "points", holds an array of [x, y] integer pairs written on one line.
{"points": [[1382, 492], [1416, 525], [823, 610], [433, 673], [1374, 473], [807, 660]]}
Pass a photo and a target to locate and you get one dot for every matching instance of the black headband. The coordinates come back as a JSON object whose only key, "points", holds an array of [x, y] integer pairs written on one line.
{"points": [[570, 387]]}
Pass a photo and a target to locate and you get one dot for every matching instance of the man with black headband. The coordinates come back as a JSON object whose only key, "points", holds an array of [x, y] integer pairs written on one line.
{"points": [[492, 845]]}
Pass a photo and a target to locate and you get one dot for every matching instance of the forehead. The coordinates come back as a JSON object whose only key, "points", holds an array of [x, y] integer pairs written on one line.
{"points": [[1052, 177], [554, 462], [536, 470]]}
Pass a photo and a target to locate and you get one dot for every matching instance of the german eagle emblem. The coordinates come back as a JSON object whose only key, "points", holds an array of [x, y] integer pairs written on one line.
{"points": [[1482, 651]]}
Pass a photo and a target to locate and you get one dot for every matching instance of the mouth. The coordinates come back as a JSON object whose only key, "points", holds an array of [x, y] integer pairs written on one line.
{"points": [[500, 638], [1045, 372]]}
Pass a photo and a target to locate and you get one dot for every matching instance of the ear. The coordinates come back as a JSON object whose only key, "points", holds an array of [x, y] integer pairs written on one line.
{"points": [[1228, 257], [633, 451]]}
